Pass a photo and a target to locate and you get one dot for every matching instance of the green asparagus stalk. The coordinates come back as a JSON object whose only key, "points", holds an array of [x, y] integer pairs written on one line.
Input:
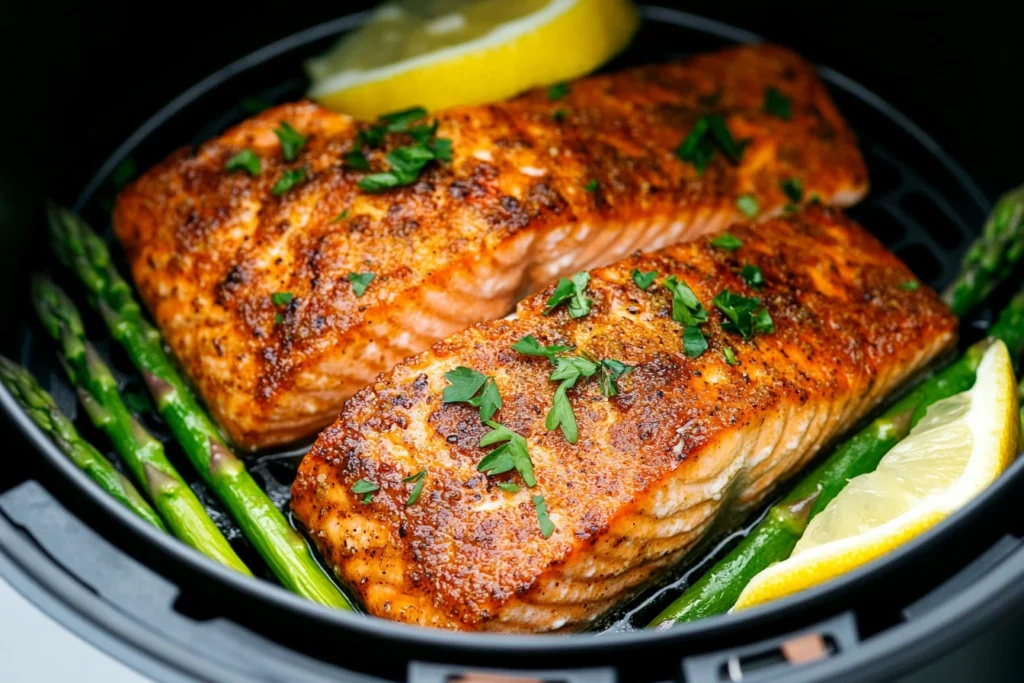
{"points": [[774, 538], [283, 549], [144, 455], [43, 410], [992, 257]]}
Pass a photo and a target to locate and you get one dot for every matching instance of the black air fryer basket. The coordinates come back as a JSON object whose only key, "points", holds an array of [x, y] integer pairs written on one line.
{"points": [[176, 615]]}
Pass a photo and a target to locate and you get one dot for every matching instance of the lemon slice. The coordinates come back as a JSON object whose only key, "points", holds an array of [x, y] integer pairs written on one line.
{"points": [[442, 53], [957, 449]]}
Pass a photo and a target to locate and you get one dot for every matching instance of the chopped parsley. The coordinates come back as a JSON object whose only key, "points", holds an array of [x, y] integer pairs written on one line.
{"points": [[730, 355], [290, 179], [558, 91], [793, 188], [406, 164], [748, 205], [417, 479], [475, 388], [508, 486], [694, 343], [686, 308], [777, 104], [360, 281], [278, 319], [745, 316], [568, 370], [365, 489], [340, 217], [644, 280], [608, 374], [292, 141], [559, 115], [511, 454], [246, 160], [572, 292], [910, 286], [281, 298], [708, 134], [398, 121], [529, 346], [753, 276], [727, 242], [356, 159], [547, 527], [592, 186]]}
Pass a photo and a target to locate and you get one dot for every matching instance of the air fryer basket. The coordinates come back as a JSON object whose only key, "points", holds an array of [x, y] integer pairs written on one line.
{"points": [[193, 617]]}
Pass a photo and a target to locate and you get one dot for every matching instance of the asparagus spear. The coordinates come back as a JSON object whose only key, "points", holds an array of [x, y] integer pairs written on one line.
{"points": [[284, 550], [41, 407], [144, 455], [992, 257], [774, 538]]}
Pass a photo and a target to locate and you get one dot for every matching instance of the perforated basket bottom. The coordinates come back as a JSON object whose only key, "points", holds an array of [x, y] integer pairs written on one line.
{"points": [[921, 206]]}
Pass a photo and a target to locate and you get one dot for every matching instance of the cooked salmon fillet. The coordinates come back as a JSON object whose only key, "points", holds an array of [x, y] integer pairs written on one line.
{"points": [[686, 442], [536, 188]]}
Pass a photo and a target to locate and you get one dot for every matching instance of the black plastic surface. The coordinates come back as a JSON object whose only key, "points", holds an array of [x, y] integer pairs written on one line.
{"points": [[917, 190]]}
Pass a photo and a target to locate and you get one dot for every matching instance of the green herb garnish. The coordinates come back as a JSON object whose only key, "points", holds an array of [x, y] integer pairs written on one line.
{"points": [[246, 160], [694, 343], [644, 280], [281, 298], [366, 489], [472, 387], [753, 276], [559, 115], [777, 104], [727, 242], [558, 91], [730, 355], [417, 479], [278, 319], [356, 159], [592, 186], [744, 314], [292, 141], [360, 281], [573, 292], [748, 205], [290, 179], [511, 454], [406, 165], [529, 346], [686, 308], [708, 133], [793, 188], [547, 527], [398, 121], [910, 286], [608, 375], [508, 486], [340, 217], [568, 370]]}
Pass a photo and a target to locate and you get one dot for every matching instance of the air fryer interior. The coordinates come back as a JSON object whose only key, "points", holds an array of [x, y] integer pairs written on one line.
{"points": [[922, 206]]}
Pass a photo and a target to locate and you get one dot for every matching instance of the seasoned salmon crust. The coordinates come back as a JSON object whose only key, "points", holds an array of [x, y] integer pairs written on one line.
{"points": [[535, 188], [691, 437]]}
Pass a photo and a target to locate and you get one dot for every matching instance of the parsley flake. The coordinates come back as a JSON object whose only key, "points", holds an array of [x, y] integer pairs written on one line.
{"points": [[753, 276], [568, 370], [246, 160], [356, 159], [748, 205], [475, 388], [360, 281], [292, 141], [644, 280], [290, 179], [686, 308], [592, 186], [709, 133], [727, 242], [398, 121], [730, 355], [508, 486], [744, 314], [793, 188], [529, 346], [558, 91], [910, 286], [559, 115], [777, 104], [366, 489], [281, 298], [547, 527], [278, 319], [608, 375], [573, 293], [340, 217], [511, 454], [694, 342], [417, 479]]}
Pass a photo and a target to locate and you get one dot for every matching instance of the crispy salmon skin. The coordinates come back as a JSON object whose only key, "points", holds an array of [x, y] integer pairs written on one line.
{"points": [[688, 439], [536, 188]]}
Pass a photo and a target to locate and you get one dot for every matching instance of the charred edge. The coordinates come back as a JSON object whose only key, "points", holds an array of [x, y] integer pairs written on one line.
{"points": [[159, 482], [160, 388], [222, 461], [794, 516]]}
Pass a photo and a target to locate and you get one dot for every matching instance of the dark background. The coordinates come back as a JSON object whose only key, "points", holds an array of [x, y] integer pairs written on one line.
{"points": [[80, 76]]}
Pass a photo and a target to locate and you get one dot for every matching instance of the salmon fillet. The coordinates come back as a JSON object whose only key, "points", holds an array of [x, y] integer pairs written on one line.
{"points": [[535, 189], [686, 442]]}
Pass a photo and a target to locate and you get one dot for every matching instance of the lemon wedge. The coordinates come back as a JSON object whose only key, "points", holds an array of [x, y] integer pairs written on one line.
{"points": [[442, 53], [957, 449]]}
